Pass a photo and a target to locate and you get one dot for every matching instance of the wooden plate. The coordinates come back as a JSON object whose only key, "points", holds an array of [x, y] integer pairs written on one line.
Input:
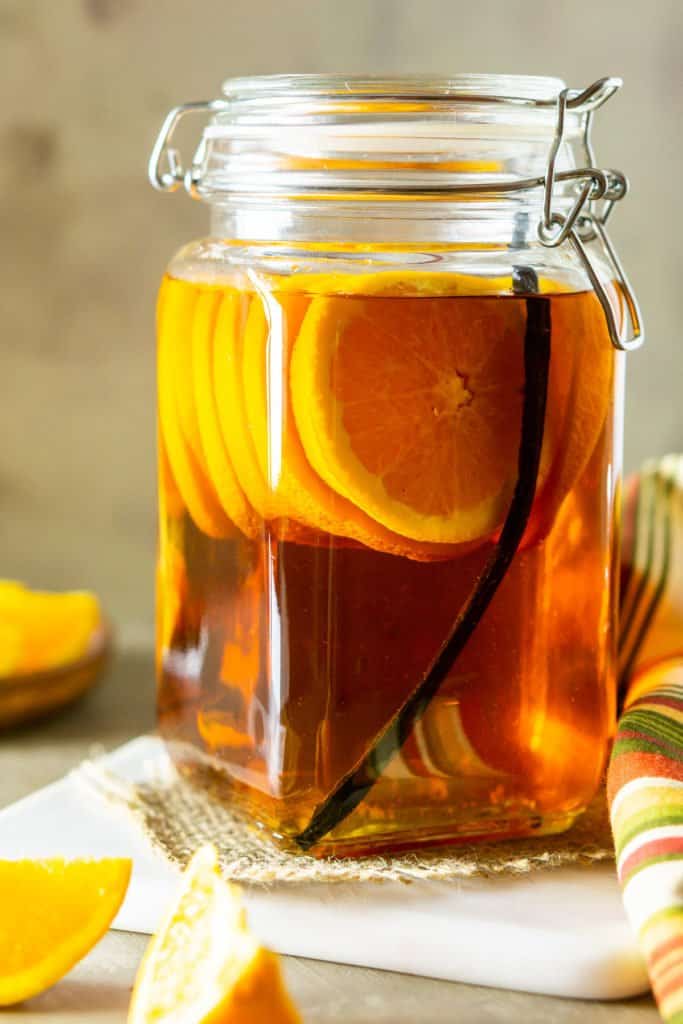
{"points": [[24, 698]]}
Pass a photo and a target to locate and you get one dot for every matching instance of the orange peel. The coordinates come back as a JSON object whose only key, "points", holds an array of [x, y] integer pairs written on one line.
{"points": [[204, 965], [176, 305], [53, 912]]}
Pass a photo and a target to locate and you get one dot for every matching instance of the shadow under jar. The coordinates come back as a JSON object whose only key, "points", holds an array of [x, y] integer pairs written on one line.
{"points": [[390, 402]]}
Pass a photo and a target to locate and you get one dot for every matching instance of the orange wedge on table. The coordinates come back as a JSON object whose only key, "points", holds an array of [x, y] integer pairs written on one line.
{"points": [[51, 914], [204, 966]]}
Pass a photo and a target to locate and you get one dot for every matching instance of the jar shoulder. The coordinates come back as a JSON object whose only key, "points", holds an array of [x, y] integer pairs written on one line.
{"points": [[216, 260]]}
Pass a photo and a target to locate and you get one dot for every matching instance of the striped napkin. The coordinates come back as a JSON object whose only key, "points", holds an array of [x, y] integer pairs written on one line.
{"points": [[645, 778]]}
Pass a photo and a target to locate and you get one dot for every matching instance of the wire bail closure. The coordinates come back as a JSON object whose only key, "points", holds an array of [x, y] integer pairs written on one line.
{"points": [[585, 224], [582, 227], [165, 169]]}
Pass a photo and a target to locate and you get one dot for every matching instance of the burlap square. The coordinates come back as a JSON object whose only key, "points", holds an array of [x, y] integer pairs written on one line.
{"points": [[178, 817]]}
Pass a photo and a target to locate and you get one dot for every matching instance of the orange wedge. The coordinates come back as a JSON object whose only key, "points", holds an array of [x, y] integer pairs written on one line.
{"points": [[52, 913], [411, 407], [43, 630], [179, 425], [203, 966]]}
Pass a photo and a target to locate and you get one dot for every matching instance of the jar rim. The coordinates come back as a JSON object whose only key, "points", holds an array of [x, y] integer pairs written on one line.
{"points": [[318, 137], [308, 135], [534, 90]]}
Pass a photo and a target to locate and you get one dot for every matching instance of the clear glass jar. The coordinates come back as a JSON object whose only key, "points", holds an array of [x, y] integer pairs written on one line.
{"points": [[390, 403]]}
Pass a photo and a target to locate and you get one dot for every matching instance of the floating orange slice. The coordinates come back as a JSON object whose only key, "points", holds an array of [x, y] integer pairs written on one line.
{"points": [[581, 390], [52, 913], [204, 966], [178, 421], [296, 490], [581, 369], [170, 499], [400, 283], [270, 330], [411, 408], [216, 455], [171, 593], [228, 370], [181, 304]]}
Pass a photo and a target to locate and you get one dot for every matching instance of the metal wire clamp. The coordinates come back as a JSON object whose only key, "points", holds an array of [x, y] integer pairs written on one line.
{"points": [[165, 170], [585, 224]]}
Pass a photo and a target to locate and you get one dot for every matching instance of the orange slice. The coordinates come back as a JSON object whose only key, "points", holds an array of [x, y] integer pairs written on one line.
{"points": [[218, 461], [230, 400], [251, 362], [177, 301], [265, 360], [296, 490], [400, 283], [52, 913], [203, 966], [182, 301], [581, 389], [171, 593], [411, 408], [170, 499], [43, 630]]}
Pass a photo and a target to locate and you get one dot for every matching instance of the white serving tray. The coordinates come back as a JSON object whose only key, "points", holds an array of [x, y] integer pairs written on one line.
{"points": [[559, 932]]}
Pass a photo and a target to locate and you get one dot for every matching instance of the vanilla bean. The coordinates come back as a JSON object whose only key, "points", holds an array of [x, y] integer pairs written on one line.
{"points": [[356, 784]]}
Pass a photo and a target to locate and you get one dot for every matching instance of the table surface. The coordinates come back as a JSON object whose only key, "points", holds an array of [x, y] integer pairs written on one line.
{"points": [[98, 989]]}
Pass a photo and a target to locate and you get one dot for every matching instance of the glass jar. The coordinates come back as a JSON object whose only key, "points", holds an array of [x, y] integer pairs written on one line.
{"points": [[390, 405]]}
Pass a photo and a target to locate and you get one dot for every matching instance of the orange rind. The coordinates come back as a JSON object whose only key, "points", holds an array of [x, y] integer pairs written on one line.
{"points": [[411, 409], [217, 460], [204, 966], [52, 913], [176, 307]]}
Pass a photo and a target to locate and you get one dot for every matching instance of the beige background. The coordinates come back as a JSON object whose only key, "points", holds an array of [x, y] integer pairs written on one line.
{"points": [[84, 85]]}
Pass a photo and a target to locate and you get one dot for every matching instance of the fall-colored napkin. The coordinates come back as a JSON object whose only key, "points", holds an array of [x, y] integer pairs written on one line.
{"points": [[645, 779]]}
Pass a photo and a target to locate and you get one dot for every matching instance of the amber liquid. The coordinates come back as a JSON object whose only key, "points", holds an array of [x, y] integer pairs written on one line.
{"points": [[283, 655]]}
